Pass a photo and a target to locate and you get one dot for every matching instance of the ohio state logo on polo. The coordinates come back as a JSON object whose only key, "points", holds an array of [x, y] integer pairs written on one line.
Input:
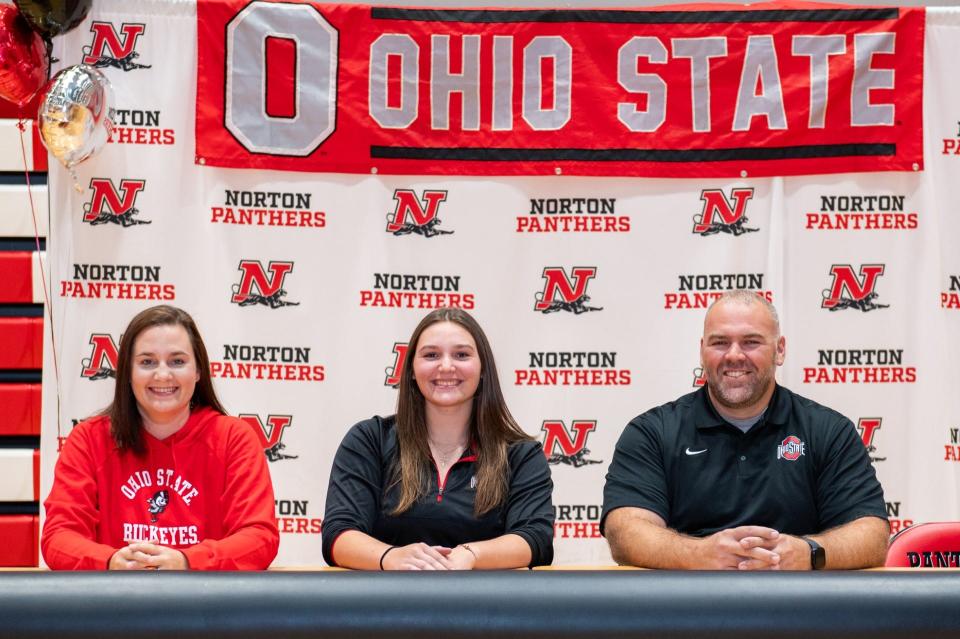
{"points": [[791, 448]]}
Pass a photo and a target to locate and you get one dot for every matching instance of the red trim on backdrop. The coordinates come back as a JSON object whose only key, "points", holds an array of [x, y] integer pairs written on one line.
{"points": [[594, 140]]}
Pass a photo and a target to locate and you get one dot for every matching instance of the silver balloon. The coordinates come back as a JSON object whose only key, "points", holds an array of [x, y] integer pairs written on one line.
{"points": [[76, 115]]}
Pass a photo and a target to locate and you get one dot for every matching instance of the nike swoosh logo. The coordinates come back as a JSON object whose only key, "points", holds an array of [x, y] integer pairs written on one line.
{"points": [[694, 452]]}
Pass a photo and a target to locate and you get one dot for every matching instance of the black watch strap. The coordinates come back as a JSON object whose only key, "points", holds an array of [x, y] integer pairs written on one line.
{"points": [[818, 556]]}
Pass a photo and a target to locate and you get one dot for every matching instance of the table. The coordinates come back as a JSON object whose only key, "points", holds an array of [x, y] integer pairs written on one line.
{"points": [[586, 604]]}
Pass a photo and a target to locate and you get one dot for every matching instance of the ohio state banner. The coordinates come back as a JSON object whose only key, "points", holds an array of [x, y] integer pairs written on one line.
{"points": [[723, 90], [307, 285]]}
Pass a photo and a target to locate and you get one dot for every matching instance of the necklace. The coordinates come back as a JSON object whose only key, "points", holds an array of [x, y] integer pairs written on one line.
{"points": [[448, 457]]}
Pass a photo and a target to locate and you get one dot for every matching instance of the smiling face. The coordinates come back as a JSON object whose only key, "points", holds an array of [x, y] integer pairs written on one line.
{"points": [[446, 365], [740, 351], [163, 374]]}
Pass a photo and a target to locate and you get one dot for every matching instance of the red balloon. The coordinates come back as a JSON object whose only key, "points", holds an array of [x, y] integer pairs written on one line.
{"points": [[24, 61]]}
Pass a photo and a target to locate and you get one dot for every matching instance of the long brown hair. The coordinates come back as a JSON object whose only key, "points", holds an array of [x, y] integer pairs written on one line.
{"points": [[492, 427], [126, 424]]}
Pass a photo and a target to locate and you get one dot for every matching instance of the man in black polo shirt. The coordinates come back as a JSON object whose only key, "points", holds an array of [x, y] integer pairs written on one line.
{"points": [[743, 474]]}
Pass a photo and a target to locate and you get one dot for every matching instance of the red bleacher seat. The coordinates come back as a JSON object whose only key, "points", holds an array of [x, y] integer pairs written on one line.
{"points": [[21, 342], [16, 272], [21, 409], [20, 535]]}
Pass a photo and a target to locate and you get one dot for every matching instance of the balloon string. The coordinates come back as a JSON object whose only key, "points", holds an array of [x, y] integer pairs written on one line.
{"points": [[43, 277], [49, 44]]}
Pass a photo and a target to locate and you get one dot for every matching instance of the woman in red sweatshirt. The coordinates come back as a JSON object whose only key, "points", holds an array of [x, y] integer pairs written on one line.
{"points": [[163, 478]]}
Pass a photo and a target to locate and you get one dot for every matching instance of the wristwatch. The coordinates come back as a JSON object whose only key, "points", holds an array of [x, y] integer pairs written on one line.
{"points": [[818, 556]]}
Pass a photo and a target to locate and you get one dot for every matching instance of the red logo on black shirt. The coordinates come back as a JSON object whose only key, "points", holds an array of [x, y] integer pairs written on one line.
{"points": [[720, 215], [393, 372], [102, 362], [572, 449], [413, 215], [791, 448]]}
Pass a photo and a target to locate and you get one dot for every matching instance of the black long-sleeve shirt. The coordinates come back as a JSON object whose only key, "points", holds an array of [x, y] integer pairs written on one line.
{"points": [[358, 497]]}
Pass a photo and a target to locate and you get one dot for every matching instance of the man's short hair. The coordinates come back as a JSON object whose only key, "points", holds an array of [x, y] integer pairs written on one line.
{"points": [[748, 297]]}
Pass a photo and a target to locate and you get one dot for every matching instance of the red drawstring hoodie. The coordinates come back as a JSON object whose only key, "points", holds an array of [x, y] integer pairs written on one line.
{"points": [[205, 491]]}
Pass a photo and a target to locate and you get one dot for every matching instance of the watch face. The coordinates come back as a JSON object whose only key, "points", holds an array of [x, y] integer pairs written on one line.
{"points": [[818, 557]]}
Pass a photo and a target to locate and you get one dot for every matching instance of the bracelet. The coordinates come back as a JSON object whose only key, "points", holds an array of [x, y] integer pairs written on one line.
{"points": [[470, 550], [384, 555]]}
